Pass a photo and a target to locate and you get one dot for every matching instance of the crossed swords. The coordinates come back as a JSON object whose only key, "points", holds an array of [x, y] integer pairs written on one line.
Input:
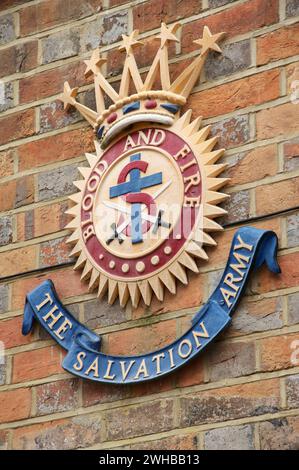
{"points": [[156, 220]]}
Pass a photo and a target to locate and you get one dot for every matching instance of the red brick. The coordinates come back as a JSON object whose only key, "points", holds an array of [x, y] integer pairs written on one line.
{"points": [[16, 126], [277, 45], [235, 402], [20, 58], [36, 364], [227, 360], [292, 382], [291, 154], [6, 163], [292, 73], [280, 434], [116, 3], [53, 116], [291, 149], [11, 333], [239, 437], [55, 397], [148, 418], [185, 442], [15, 405], [238, 19], [265, 281], [41, 221], [238, 206], [53, 253], [232, 132], [4, 440], [236, 95], [110, 314], [253, 165], [114, 62], [55, 148], [16, 193], [256, 315], [277, 121], [94, 393], [150, 14], [73, 433], [11, 3], [51, 82], [7, 195], [67, 283], [47, 14], [5, 302], [153, 387], [20, 288], [191, 374], [277, 196], [144, 339], [276, 352], [17, 261]]}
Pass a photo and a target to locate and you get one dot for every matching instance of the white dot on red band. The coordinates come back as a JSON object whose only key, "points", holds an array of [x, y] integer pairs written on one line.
{"points": [[140, 266], [125, 268], [167, 250], [112, 264], [155, 260]]}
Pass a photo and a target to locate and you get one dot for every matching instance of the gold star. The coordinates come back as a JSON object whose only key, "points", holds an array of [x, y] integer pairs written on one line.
{"points": [[68, 96], [209, 41], [167, 34], [129, 42], [94, 63]]}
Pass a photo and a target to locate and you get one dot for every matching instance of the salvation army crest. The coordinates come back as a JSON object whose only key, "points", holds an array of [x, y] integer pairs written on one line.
{"points": [[148, 199], [143, 213]]}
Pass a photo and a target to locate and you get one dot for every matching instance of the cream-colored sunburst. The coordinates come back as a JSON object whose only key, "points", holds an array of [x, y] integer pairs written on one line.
{"points": [[192, 252]]}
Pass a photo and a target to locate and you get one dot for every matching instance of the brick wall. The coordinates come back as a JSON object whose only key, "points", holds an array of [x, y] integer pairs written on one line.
{"points": [[243, 392]]}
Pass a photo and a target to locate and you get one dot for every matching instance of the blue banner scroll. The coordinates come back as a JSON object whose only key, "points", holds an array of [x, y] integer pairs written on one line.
{"points": [[250, 248]]}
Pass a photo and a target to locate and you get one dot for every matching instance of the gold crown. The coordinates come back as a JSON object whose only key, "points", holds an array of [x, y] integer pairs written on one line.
{"points": [[147, 104]]}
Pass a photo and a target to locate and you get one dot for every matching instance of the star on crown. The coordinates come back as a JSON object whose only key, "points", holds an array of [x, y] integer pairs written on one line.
{"points": [[209, 41]]}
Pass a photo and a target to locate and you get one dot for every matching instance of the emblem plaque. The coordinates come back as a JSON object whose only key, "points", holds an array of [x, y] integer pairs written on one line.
{"points": [[144, 212]]}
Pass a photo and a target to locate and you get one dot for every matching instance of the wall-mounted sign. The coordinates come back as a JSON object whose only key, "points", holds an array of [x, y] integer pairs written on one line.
{"points": [[144, 211]]}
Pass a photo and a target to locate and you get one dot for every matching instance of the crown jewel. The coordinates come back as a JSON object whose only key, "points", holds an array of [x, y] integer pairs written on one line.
{"points": [[147, 103]]}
